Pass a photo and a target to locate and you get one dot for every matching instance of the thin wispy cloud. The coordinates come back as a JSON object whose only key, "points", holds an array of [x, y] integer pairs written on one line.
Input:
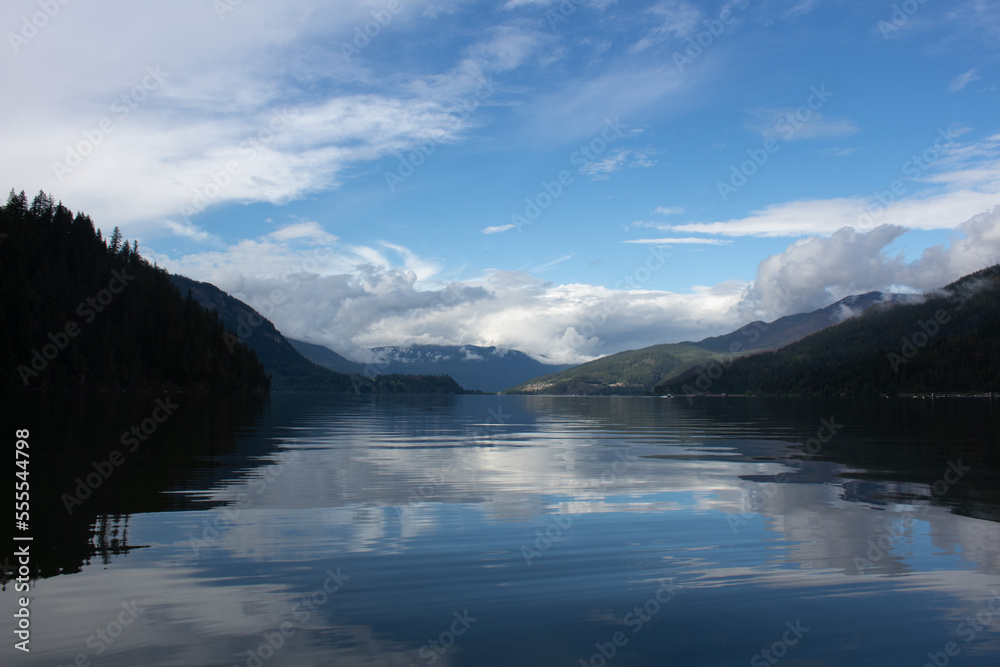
{"points": [[838, 152], [552, 264], [968, 180], [188, 229], [962, 81], [675, 19], [800, 8], [617, 160], [798, 123], [309, 230], [680, 241]]}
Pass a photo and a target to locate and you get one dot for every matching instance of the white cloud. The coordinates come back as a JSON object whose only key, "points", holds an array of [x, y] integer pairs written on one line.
{"points": [[671, 210], [188, 229], [497, 229], [617, 160], [214, 104], [963, 80], [680, 241], [303, 230], [514, 4], [596, 4], [838, 152], [963, 181], [677, 19], [800, 8], [353, 298], [581, 106], [507, 48], [801, 218], [814, 272], [811, 273], [551, 264], [469, 355]]}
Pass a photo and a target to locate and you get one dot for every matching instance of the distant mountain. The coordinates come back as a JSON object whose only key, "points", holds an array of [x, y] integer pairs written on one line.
{"points": [[327, 358], [639, 371], [489, 369], [289, 370], [81, 312], [945, 344]]}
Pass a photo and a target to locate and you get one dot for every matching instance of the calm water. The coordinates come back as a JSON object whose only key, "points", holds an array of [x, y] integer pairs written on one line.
{"points": [[318, 530]]}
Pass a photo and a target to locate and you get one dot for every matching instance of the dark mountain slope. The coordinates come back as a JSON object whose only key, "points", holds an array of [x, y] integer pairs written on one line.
{"points": [[790, 328], [327, 358], [84, 313], [289, 370]]}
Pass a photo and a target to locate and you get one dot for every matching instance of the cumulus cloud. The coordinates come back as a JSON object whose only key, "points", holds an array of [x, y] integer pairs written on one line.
{"points": [[354, 298], [814, 272]]}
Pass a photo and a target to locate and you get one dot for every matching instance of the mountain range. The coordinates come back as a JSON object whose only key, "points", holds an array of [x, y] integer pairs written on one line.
{"points": [[489, 369], [638, 371], [945, 342], [135, 327]]}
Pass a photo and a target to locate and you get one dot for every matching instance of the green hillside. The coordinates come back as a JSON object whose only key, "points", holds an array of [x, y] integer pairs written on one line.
{"points": [[950, 343], [626, 373]]}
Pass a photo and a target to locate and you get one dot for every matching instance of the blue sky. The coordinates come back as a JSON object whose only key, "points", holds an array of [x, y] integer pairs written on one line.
{"points": [[367, 173]]}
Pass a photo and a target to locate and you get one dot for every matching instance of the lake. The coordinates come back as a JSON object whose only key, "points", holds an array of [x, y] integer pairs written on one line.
{"points": [[485, 530]]}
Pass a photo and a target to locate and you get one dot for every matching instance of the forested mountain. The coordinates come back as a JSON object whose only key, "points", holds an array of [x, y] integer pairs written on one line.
{"points": [[83, 312], [288, 368], [327, 358], [790, 328], [946, 344], [638, 371]]}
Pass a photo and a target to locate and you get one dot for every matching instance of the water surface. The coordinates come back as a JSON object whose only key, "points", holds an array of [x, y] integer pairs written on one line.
{"points": [[484, 530]]}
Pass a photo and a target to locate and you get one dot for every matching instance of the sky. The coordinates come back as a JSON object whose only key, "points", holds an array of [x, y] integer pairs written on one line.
{"points": [[567, 178]]}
